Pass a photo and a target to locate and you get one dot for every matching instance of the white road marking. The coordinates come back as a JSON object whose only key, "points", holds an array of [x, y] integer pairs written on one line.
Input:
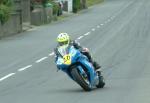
{"points": [[7, 76], [98, 26], [51, 54], [80, 37], [32, 29], [24, 68], [93, 29], [112, 18], [102, 24], [87, 33], [41, 59], [108, 20]]}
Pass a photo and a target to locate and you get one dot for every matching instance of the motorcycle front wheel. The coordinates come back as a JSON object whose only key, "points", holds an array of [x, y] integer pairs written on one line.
{"points": [[81, 79]]}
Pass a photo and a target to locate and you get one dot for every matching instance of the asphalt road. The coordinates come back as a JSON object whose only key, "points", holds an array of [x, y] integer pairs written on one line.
{"points": [[117, 32]]}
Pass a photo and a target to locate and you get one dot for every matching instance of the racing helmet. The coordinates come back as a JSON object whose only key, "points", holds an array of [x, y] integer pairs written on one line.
{"points": [[63, 39]]}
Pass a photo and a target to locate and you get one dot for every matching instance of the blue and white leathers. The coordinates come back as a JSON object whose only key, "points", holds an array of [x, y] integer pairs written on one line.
{"points": [[70, 56]]}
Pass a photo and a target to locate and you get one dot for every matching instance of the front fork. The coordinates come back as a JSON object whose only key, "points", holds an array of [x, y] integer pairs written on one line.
{"points": [[93, 78]]}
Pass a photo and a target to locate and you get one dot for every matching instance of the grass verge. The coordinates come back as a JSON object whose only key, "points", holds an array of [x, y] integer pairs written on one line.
{"points": [[93, 2]]}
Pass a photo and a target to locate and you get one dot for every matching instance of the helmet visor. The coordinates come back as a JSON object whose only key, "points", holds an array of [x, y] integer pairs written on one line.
{"points": [[63, 43]]}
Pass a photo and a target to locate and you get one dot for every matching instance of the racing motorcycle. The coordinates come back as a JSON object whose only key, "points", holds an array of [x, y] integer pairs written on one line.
{"points": [[78, 68]]}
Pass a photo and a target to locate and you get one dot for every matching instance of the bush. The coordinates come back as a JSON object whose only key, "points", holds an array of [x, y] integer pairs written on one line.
{"points": [[76, 5], [55, 8], [7, 2], [44, 2], [54, 5], [5, 9], [4, 13], [91, 2]]}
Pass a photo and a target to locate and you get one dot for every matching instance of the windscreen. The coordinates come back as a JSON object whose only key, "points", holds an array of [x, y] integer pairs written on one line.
{"points": [[63, 50]]}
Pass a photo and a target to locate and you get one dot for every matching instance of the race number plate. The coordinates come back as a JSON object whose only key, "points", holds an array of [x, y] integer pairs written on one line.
{"points": [[67, 59]]}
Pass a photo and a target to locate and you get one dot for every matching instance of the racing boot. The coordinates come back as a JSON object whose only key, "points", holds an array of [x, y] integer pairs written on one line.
{"points": [[96, 66]]}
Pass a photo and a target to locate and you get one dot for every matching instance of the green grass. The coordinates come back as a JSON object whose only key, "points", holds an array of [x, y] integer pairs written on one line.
{"points": [[93, 2]]}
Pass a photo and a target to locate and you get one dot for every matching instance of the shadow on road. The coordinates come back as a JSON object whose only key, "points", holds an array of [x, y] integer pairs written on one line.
{"points": [[76, 90], [67, 90]]}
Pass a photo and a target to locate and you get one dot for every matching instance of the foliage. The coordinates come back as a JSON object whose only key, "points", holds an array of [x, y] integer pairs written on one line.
{"points": [[92, 2], [76, 5], [44, 2], [4, 13], [54, 5], [55, 8], [5, 9], [7, 2]]}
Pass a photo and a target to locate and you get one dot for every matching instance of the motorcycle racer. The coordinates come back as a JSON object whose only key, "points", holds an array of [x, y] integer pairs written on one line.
{"points": [[64, 39]]}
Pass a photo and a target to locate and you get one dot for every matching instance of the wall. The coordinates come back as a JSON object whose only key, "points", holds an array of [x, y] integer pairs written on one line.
{"points": [[25, 10], [12, 26]]}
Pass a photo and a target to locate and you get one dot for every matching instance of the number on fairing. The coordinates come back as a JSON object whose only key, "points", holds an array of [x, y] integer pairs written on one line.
{"points": [[67, 59]]}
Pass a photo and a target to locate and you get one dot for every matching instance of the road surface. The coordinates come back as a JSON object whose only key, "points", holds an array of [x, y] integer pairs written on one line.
{"points": [[117, 32]]}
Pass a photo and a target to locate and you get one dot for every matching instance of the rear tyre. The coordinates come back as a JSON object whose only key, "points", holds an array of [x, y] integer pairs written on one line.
{"points": [[80, 79]]}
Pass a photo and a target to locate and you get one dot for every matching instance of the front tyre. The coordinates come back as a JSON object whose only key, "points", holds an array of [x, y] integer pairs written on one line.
{"points": [[81, 80]]}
